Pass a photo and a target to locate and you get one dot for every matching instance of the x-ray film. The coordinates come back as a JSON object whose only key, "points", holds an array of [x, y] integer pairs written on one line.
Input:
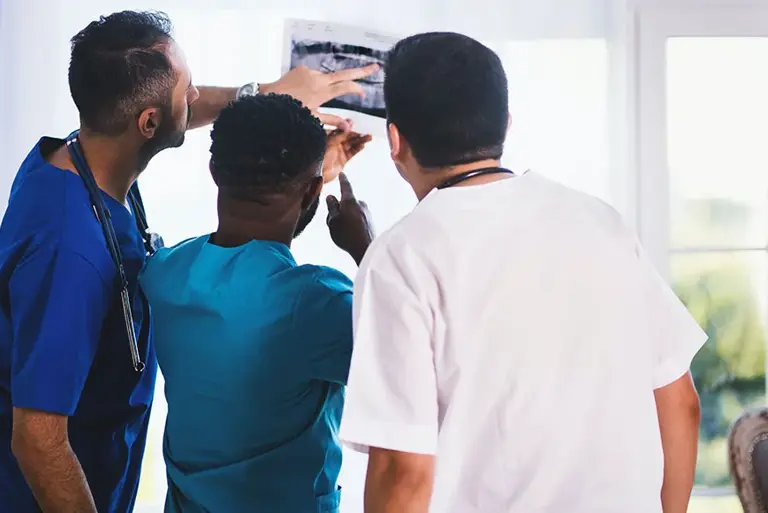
{"points": [[331, 47]]}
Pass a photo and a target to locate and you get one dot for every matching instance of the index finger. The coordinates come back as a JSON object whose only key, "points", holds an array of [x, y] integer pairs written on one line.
{"points": [[353, 74], [345, 187]]}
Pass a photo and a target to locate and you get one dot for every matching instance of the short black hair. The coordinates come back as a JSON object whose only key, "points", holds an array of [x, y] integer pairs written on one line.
{"points": [[119, 67], [447, 94], [266, 144]]}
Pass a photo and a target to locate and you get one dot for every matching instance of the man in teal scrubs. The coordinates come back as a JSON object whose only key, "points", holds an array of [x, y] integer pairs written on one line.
{"points": [[255, 349]]}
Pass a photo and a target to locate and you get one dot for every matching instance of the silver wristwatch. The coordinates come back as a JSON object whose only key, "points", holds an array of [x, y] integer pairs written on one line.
{"points": [[249, 89]]}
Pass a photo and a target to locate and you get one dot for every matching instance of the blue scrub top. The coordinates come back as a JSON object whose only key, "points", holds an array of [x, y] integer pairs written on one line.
{"points": [[255, 353], [63, 344]]}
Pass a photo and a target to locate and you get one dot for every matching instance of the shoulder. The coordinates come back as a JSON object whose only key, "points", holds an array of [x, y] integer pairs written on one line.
{"points": [[325, 291], [165, 260], [48, 209], [550, 191], [321, 280], [399, 252], [178, 251], [56, 266], [580, 214]]}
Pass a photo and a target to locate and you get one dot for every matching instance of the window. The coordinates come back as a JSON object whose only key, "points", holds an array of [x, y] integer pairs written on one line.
{"points": [[716, 136], [554, 104], [704, 206]]}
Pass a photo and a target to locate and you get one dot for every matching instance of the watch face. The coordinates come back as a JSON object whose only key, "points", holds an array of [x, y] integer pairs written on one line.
{"points": [[247, 90]]}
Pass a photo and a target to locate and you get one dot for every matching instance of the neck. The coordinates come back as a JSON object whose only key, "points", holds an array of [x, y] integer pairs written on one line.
{"points": [[243, 221], [113, 162], [434, 177]]}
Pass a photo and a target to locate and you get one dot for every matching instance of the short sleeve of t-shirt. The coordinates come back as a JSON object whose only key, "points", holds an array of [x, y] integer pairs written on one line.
{"points": [[58, 302], [392, 393], [677, 336], [325, 312]]}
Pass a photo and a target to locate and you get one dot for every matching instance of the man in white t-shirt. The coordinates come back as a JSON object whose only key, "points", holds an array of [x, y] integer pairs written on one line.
{"points": [[515, 350]]}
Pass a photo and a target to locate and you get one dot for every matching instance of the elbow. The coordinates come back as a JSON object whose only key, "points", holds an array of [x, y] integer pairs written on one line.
{"points": [[21, 446], [694, 409], [30, 444], [690, 405], [414, 480], [679, 400]]}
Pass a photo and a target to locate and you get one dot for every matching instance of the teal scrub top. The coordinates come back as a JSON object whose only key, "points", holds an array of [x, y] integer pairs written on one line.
{"points": [[255, 351]]}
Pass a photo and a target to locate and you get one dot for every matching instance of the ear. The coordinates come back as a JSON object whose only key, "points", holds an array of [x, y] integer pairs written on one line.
{"points": [[149, 122], [313, 190], [395, 142], [509, 121]]}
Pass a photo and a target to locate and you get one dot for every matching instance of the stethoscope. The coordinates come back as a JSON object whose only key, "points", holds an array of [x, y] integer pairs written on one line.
{"points": [[152, 242], [463, 177]]}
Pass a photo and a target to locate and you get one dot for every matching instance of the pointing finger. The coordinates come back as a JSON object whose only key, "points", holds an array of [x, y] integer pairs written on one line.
{"points": [[333, 207], [346, 188]]}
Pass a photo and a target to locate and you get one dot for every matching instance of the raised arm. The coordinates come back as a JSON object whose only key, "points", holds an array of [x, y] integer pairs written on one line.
{"points": [[312, 88], [207, 107]]}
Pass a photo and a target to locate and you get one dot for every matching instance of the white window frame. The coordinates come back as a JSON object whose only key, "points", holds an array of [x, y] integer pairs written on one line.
{"points": [[654, 26]]}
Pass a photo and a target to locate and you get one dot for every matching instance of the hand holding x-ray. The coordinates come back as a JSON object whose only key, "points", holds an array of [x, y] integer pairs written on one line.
{"points": [[341, 147]]}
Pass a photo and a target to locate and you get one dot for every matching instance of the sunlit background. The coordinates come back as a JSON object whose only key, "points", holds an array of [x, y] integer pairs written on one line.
{"points": [[657, 108]]}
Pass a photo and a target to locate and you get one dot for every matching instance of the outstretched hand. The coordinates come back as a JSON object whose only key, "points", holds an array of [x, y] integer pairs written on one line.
{"points": [[314, 88], [349, 221], [341, 147]]}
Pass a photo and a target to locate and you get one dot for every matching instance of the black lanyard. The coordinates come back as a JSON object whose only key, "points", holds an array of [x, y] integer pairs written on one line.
{"points": [[151, 241], [463, 177]]}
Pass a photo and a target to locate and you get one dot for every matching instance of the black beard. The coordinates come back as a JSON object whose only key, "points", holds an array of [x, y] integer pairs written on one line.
{"points": [[167, 136], [306, 218]]}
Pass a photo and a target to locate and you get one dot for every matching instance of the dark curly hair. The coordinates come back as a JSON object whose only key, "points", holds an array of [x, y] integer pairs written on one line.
{"points": [[266, 144], [119, 67]]}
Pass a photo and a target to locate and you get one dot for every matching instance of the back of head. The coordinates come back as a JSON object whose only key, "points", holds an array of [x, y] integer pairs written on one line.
{"points": [[447, 94], [119, 67], [265, 145]]}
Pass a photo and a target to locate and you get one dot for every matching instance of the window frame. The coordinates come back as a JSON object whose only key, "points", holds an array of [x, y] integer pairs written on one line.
{"points": [[655, 25]]}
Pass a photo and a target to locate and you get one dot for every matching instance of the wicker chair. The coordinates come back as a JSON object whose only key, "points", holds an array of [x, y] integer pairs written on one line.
{"points": [[748, 459]]}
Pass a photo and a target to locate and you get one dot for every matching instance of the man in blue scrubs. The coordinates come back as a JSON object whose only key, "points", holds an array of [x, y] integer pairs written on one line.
{"points": [[73, 411], [254, 348]]}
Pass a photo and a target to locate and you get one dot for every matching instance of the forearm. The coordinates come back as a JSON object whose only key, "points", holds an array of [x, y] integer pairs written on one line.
{"points": [[680, 443], [679, 415], [56, 478], [207, 107]]}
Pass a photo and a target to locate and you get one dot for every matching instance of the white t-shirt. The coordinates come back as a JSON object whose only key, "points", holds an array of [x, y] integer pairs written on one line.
{"points": [[517, 331]]}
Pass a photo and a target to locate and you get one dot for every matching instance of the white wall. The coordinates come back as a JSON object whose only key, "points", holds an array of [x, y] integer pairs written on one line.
{"points": [[34, 47]]}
